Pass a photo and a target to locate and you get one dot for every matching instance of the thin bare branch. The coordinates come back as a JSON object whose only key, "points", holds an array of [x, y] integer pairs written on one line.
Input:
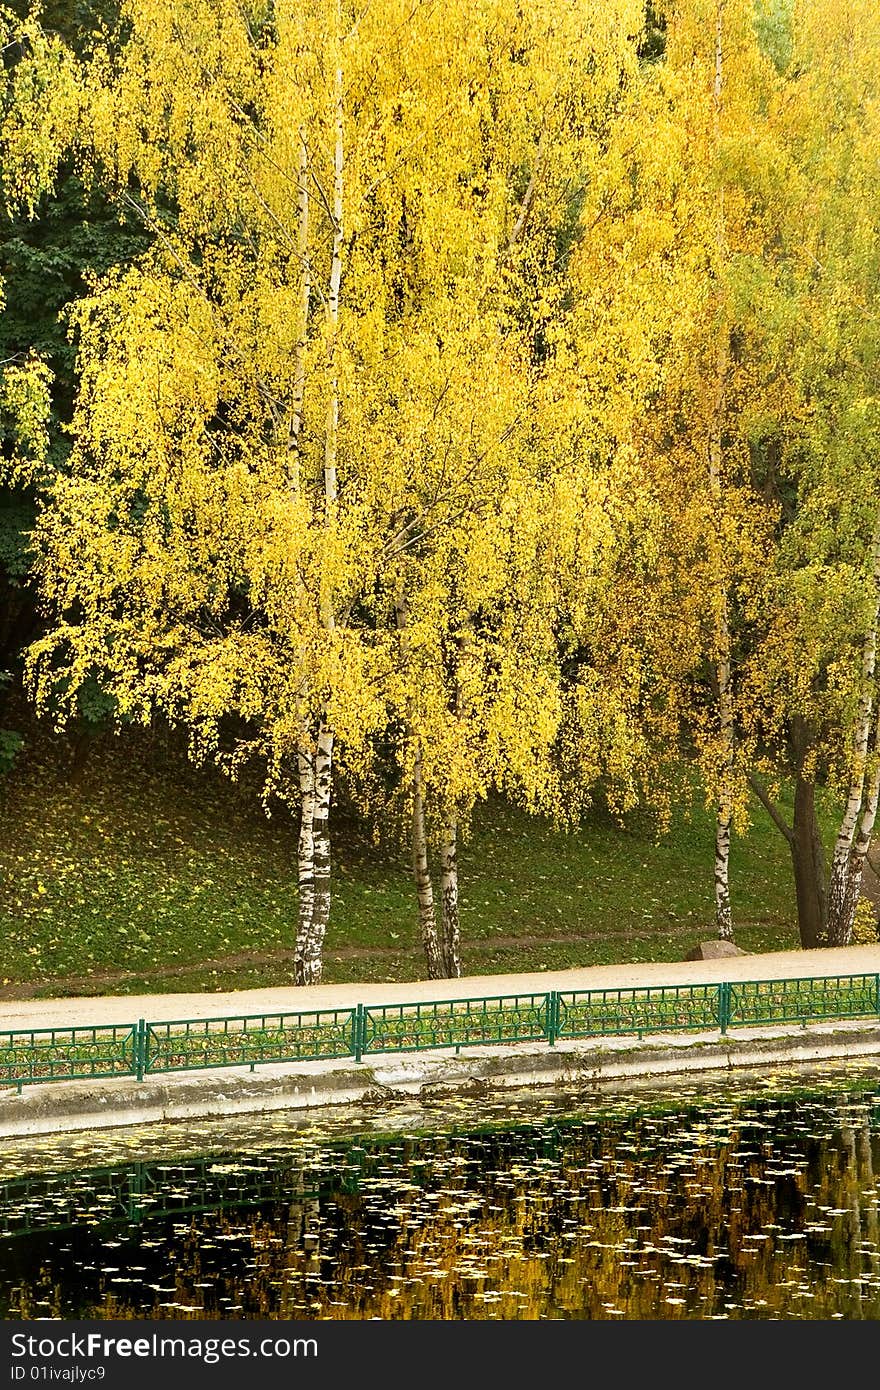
{"points": [[770, 807]]}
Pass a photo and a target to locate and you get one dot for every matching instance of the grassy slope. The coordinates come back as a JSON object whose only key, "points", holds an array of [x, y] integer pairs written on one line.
{"points": [[179, 881]]}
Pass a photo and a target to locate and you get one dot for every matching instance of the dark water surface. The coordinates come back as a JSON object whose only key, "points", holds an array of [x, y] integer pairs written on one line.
{"points": [[758, 1199]]}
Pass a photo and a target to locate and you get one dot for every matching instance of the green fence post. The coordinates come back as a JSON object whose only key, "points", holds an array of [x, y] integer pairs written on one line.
{"points": [[140, 1049], [551, 1017], [723, 1007], [359, 1032]]}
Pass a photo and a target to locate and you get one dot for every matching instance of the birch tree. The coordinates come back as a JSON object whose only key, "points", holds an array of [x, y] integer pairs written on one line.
{"points": [[39, 103], [670, 227], [280, 400], [39, 110], [208, 551], [472, 569], [812, 678]]}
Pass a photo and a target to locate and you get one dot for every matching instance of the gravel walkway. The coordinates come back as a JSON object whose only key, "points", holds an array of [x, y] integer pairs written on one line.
{"points": [[50, 1013]]}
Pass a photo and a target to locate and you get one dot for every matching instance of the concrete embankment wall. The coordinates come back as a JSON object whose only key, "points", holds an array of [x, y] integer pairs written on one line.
{"points": [[83, 1105]]}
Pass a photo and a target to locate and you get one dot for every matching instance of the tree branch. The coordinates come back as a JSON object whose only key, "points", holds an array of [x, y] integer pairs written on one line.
{"points": [[528, 196], [772, 810]]}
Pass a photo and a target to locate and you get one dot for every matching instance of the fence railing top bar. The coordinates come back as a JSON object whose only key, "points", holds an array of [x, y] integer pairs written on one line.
{"points": [[539, 997], [68, 1028], [691, 987], [252, 1018], [862, 977]]}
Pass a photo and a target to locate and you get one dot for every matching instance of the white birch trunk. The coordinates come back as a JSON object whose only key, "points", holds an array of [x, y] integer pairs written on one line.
{"points": [[305, 288], [723, 677], [420, 865], [315, 787], [723, 674], [306, 770], [330, 485], [309, 960], [309, 965], [304, 754], [723, 913], [451, 922], [861, 845], [861, 805], [422, 876], [847, 900]]}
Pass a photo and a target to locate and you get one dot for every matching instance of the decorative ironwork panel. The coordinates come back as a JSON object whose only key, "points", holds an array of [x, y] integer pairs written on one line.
{"points": [[67, 1054], [192, 1044], [457, 1023], [804, 1000], [661, 1009]]}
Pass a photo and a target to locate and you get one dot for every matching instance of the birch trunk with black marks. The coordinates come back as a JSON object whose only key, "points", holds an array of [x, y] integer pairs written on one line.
{"points": [[305, 753], [850, 846], [310, 944], [723, 675], [450, 920], [840, 927], [419, 838], [309, 962], [306, 858], [305, 289], [723, 914], [332, 431], [422, 875]]}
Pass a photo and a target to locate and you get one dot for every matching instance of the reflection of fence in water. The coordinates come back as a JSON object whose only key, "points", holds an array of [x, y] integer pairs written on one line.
{"points": [[138, 1192]]}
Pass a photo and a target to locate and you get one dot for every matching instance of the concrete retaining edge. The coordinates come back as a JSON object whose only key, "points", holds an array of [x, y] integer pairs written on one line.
{"points": [[82, 1105]]}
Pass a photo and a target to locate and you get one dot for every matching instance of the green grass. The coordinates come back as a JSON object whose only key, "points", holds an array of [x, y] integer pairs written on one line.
{"points": [[137, 877]]}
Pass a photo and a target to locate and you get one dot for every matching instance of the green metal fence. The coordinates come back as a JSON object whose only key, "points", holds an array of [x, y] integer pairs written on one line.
{"points": [[660, 1009], [189, 1044], [68, 1054], [458, 1023], [804, 1000]]}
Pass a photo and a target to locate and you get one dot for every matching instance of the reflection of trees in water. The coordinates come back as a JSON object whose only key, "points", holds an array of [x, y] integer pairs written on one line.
{"points": [[867, 1143], [767, 1209]]}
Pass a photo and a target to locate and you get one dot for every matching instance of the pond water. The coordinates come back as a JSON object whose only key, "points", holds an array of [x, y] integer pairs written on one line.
{"points": [[760, 1199]]}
